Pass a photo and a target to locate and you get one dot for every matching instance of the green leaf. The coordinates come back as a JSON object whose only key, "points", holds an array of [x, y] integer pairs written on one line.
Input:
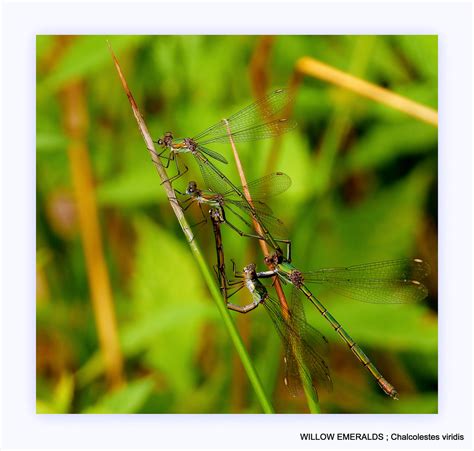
{"points": [[43, 44], [423, 53], [385, 63], [140, 335], [86, 55], [386, 142], [167, 284], [61, 397], [128, 399], [51, 142], [136, 187], [393, 328], [380, 228]]}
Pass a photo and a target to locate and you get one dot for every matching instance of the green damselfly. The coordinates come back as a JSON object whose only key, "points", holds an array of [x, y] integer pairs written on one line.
{"points": [[394, 281], [225, 199], [257, 121], [304, 346], [386, 282]]}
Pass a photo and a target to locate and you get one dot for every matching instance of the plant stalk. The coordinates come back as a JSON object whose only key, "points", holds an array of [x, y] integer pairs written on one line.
{"points": [[317, 69], [207, 274], [311, 396]]}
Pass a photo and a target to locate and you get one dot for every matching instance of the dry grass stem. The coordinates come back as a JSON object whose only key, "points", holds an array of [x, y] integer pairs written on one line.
{"points": [[156, 160], [76, 122], [205, 271], [317, 69], [258, 229]]}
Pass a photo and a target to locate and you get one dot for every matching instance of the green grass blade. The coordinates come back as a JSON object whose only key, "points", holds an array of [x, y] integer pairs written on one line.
{"points": [[206, 272]]}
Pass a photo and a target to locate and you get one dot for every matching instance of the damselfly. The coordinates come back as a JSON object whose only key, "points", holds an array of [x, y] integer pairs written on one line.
{"points": [[273, 230], [389, 282], [257, 121], [386, 282], [304, 346], [217, 219]]}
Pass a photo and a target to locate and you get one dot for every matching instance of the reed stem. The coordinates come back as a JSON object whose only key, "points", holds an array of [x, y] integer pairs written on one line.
{"points": [[76, 123], [317, 69], [310, 393], [205, 271]]}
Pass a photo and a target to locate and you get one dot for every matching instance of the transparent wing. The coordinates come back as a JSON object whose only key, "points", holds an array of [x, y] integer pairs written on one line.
{"points": [[254, 133], [216, 182], [258, 206], [263, 188], [212, 154], [387, 282], [262, 213], [261, 111], [304, 346], [214, 179]]}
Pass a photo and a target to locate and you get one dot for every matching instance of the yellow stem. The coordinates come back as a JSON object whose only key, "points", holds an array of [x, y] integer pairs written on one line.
{"points": [[75, 114], [314, 68]]}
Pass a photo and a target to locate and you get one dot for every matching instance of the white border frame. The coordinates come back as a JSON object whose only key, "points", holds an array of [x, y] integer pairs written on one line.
{"points": [[22, 21]]}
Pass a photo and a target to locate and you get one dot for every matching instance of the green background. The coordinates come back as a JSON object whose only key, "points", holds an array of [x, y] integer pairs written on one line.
{"points": [[364, 189]]}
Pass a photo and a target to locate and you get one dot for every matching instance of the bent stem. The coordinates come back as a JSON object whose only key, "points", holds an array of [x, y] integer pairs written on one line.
{"points": [[205, 271], [311, 395]]}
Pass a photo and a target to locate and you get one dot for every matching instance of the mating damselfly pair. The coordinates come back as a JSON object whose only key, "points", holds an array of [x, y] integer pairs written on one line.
{"points": [[385, 282]]}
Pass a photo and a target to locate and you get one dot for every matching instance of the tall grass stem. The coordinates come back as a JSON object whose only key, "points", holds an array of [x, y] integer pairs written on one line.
{"points": [[205, 271], [317, 69]]}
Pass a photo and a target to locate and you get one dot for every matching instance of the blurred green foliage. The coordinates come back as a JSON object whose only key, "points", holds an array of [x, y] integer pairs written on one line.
{"points": [[364, 189]]}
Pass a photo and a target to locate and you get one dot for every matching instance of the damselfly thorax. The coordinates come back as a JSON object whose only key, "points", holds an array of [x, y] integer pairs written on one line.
{"points": [[184, 145], [217, 215], [213, 200], [254, 285]]}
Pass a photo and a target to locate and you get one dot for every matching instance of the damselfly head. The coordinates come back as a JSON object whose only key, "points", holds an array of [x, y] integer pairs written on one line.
{"points": [[250, 270], [166, 141], [274, 259], [192, 188]]}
